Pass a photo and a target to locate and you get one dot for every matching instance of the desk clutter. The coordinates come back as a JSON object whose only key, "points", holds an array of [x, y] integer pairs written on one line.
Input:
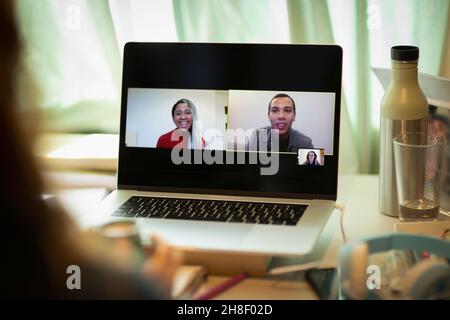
{"points": [[395, 266], [416, 186], [438, 229], [187, 280]]}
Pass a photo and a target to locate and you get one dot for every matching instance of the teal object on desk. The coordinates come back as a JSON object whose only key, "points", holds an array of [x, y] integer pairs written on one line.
{"points": [[427, 279]]}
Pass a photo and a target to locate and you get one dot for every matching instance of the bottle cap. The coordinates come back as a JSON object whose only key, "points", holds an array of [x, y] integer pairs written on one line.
{"points": [[405, 53]]}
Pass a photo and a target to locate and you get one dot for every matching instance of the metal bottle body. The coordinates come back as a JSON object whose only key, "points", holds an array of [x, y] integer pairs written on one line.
{"points": [[404, 108], [390, 128]]}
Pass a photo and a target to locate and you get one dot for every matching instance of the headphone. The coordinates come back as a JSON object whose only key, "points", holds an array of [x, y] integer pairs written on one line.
{"points": [[427, 279]]}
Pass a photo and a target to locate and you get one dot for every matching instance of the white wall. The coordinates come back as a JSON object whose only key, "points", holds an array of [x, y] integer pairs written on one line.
{"points": [[149, 112], [314, 113]]}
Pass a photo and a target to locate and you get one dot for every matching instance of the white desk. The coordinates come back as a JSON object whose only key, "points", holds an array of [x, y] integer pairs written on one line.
{"points": [[359, 194]]}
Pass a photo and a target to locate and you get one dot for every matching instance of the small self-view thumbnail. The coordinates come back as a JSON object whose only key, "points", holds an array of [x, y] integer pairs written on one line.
{"points": [[311, 157]]}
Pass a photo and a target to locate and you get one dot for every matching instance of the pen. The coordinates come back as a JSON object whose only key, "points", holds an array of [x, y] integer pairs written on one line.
{"points": [[221, 287]]}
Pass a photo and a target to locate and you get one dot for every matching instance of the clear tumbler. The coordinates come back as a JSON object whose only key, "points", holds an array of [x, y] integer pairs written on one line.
{"points": [[418, 160]]}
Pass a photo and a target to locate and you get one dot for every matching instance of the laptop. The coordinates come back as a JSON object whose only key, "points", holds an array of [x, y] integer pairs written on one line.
{"points": [[228, 147]]}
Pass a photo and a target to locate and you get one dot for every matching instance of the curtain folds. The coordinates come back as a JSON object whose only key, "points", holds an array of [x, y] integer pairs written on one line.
{"points": [[231, 21], [365, 29], [73, 49]]}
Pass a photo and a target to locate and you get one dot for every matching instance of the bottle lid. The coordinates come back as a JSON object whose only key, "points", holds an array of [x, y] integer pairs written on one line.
{"points": [[405, 53]]}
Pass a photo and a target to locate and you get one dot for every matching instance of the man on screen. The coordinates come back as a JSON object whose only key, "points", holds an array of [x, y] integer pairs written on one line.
{"points": [[281, 113]]}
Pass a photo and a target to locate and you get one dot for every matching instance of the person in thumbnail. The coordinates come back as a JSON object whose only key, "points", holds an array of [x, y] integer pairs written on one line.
{"points": [[187, 134], [281, 113], [311, 159]]}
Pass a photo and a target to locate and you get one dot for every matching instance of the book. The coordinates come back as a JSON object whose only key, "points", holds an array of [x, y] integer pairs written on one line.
{"points": [[85, 152], [187, 281]]}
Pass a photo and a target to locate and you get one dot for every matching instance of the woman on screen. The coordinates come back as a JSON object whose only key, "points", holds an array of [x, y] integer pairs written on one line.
{"points": [[311, 159], [187, 134]]}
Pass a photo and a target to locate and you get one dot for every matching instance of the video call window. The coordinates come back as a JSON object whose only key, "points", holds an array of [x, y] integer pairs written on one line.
{"points": [[311, 157], [235, 120], [303, 119], [153, 114]]}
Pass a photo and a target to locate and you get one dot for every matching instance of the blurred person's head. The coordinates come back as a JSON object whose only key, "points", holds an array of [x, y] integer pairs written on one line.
{"points": [[31, 230], [438, 123], [438, 127], [281, 114], [39, 241]]}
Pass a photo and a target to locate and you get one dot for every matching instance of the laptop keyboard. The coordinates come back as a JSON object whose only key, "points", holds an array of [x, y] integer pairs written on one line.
{"points": [[211, 210]]}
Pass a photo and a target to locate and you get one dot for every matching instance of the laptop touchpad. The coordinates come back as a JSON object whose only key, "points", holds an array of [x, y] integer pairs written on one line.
{"points": [[211, 235]]}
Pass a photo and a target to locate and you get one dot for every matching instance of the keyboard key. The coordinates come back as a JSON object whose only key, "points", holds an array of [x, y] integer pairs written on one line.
{"points": [[130, 214], [209, 210]]}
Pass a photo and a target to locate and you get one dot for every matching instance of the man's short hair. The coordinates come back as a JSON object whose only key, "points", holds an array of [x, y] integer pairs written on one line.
{"points": [[281, 95]]}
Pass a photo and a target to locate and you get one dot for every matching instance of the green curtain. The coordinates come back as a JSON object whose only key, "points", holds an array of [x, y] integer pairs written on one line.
{"points": [[366, 29], [444, 70], [309, 22], [223, 21], [77, 71], [80, 84]]}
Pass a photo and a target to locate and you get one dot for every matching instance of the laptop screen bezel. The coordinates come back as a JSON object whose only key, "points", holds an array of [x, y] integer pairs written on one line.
{"points": [[213, 66]]}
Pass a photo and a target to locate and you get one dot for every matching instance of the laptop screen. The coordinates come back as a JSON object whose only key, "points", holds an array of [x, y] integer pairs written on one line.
{"points": [[247, 119]]}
